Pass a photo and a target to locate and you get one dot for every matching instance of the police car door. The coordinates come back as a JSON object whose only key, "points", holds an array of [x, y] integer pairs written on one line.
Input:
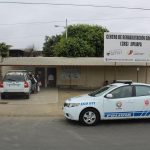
{"points": [[142, 101], [119, 103]]}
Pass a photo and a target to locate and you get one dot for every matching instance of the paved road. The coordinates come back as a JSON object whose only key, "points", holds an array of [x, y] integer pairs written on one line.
{"points": [[45, 133]]}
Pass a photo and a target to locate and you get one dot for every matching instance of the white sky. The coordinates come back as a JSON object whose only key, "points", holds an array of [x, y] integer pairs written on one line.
{"points": [[25, 35]]}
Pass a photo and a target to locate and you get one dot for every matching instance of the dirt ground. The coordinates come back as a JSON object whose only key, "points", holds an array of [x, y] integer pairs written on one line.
{"points": [[48, 102]]}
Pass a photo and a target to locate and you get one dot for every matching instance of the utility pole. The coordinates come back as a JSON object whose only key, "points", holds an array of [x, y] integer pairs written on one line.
{"points": [[66, 29]]}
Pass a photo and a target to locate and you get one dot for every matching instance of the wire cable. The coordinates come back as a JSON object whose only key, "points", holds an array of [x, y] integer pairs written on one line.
{"points": [[81, 20], [76, 5], [26, 23]]}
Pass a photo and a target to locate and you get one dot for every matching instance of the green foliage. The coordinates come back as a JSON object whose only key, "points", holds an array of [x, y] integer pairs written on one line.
{"points": [[73, 47], [50, 42], [94, 35], [4, 50], [83, 40]]}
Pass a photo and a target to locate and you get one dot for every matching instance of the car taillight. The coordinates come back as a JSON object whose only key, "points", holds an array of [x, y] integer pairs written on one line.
{"points": [[26, 85], [1, 85]]}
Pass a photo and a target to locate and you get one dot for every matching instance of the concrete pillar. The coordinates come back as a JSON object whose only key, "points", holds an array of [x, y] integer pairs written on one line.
{"points": [[45, 77]]}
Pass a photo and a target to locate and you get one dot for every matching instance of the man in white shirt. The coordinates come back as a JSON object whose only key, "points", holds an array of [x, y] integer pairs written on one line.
{"points": [[50, 79]]}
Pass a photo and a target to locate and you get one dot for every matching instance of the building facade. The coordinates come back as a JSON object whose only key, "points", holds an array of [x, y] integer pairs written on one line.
{"points": [[81, 73]]}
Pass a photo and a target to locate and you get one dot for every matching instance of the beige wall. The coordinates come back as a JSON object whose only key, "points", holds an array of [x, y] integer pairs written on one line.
{"points": [[90, 77], [94, 77], [130, 73]]}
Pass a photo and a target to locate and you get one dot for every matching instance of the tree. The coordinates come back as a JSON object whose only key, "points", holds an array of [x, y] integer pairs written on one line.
{"points": [[83, 40], [4, 50], [50, 42], [73, 47], [94, 35]]}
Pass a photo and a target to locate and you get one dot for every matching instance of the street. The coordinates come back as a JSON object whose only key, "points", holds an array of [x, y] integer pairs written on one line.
{"points": [[51, 133]]}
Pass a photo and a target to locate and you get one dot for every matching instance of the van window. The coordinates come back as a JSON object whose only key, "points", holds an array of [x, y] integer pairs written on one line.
{"points": [[14, 78]]}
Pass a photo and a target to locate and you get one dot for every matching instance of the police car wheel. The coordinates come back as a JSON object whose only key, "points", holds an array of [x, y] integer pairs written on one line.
{"points": [[89, 117]]}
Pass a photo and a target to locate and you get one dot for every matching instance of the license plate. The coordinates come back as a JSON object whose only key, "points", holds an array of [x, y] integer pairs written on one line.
{"points": [[16, 85]]}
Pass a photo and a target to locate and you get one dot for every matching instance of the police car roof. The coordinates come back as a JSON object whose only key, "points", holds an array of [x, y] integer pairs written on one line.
{"points": [[124, 81], [133, 83]]}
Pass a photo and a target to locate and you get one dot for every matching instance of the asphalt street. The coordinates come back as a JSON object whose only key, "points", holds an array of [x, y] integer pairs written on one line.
{"points": [[48, 133]]}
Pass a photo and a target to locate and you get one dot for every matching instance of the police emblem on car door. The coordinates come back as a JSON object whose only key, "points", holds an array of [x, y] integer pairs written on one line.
{"points": [[119, 103]]}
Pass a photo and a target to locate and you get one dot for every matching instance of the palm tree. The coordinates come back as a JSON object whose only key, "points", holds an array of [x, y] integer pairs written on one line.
{"points": [[4, 50]]}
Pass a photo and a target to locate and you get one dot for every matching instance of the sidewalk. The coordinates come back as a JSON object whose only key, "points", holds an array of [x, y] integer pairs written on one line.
{"points": [[48, 102]]}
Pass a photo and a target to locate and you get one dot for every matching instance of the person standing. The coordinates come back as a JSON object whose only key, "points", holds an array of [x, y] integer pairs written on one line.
{"points": [[105, 83], [33, 82], [50, 79], [38, 82]]}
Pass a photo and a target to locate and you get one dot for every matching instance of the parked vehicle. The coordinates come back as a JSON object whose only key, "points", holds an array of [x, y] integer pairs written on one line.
{"points": [[16, 83], [126, 100]]}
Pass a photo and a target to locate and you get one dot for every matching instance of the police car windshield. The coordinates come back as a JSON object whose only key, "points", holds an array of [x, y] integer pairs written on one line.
{"points": [[101, 90]]}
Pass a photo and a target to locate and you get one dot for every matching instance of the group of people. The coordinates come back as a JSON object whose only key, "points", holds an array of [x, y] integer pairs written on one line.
{"points": [[35, 82]]}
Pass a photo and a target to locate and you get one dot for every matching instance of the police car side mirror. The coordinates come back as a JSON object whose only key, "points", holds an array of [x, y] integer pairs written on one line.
{"points": [[109, 96]]}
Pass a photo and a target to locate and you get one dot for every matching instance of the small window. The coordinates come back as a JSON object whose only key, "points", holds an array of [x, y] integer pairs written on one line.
{"points": [[122, 92], [142, 90]]}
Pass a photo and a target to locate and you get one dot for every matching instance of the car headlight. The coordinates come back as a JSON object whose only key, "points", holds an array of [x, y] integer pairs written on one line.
{"points": [[71, 104]]}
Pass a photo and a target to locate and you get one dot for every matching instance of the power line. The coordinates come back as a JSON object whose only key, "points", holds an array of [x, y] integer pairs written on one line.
{"points": [[76, 5], [22, 23], [82, 20], [126, 18], [22, 37]]}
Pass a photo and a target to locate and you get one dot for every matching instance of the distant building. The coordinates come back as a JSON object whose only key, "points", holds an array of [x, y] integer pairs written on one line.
{"points": [[24, 53], [16, 53]]}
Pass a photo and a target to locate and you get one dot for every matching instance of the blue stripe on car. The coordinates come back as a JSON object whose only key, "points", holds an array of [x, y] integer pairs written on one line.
{"points": [[127, 114]]}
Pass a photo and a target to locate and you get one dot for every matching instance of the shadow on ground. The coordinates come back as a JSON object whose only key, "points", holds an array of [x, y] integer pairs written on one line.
{"points": [[110, 122]]}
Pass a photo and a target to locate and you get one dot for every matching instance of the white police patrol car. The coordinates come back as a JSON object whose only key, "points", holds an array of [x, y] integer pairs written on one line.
{"points": [[120, 100]]}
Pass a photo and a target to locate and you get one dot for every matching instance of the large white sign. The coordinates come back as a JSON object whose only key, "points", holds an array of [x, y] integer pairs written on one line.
{"points": [[125, 47]]}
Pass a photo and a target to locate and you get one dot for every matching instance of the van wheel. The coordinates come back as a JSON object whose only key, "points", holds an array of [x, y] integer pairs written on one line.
{"points": [[89, 117], [27, 96]]}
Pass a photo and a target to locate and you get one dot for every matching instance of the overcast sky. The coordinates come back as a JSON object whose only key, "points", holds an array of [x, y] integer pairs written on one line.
{"points": [[20, 24]]}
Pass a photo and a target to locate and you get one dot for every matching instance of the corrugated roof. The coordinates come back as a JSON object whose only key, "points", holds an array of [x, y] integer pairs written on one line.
{"points": [[64, 61]]}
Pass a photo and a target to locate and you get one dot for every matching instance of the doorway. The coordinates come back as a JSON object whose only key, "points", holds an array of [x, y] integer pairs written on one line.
{"points": [[41, 72], [51, 76]]}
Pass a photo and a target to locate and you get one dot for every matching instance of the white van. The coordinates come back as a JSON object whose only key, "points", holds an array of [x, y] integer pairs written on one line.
{"points": [[15, 83]]}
